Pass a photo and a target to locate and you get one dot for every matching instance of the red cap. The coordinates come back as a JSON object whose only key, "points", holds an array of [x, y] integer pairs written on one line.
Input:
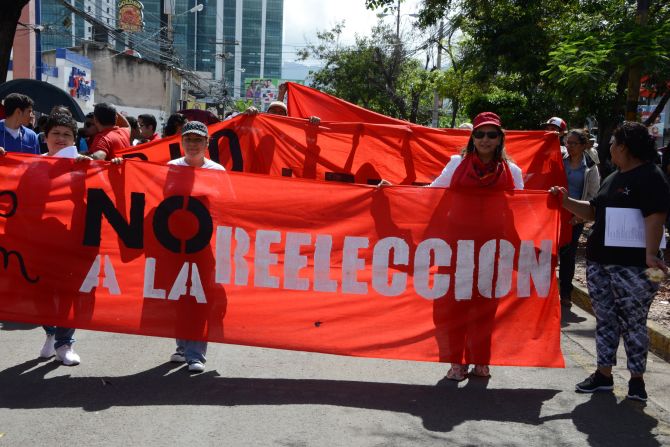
{"points": [[558, 122], [485, 118]]}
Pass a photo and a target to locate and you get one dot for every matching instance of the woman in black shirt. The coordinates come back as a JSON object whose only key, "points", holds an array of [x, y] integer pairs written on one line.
{"points": [[623, 255]]}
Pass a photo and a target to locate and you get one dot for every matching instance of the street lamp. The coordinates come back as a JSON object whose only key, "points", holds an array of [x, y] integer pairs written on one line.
{"points": [[169, 11], [196, 9]]}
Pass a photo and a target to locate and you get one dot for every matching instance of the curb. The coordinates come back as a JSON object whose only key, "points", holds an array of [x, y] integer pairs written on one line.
{"points": [[659, 337]]}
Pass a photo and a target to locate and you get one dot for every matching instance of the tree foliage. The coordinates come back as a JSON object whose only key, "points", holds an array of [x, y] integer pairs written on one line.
{"points": [[531, 60], [377, 72]]}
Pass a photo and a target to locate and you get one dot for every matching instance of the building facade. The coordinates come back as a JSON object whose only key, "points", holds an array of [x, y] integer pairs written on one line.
{"points": [[234, 40]]}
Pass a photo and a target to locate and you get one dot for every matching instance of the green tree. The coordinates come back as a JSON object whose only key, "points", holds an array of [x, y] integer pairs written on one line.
{"points": [[571, 58], [10, 12], [377, 72], [592, 64]]}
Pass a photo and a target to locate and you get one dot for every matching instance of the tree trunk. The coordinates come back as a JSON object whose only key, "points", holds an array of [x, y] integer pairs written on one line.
{"points": [[659, 108], [636, 70], [10, 12], [455, 105], [608, 122]]}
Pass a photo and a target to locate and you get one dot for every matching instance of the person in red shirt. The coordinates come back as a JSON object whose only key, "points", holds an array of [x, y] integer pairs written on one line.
{"points": [[110, 137], [148, 124]]}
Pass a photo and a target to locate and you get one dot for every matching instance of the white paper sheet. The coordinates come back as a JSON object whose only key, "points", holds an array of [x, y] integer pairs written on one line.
{"points": [[624, 227]]}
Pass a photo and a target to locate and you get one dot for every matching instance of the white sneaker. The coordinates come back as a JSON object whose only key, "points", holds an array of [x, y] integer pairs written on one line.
{"points": [[196, 366], [178, 357], [48, 349], [66, 355]]}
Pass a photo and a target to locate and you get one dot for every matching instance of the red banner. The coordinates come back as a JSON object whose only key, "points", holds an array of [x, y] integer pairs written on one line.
{"points": [[304, 102], [401, 272], [354, 152]]}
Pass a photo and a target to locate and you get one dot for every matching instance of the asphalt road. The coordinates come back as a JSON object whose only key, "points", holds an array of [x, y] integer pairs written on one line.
{"points": [[126, 393]]}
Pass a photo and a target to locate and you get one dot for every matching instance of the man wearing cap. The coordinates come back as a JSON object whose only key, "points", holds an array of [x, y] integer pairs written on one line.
{"points": [[194, 141], [556, 124]]}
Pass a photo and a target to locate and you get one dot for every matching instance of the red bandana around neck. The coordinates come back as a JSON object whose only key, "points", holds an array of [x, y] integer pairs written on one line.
{"points": [[472, 172]]}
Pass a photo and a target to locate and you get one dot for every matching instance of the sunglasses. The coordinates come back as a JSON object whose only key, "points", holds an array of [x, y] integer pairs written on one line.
{"points": [[479, 134]]}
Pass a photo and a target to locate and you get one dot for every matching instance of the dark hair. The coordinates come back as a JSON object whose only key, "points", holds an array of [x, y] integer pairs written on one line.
{"points": [[133, 122], [60, 110], [61, 120], [637, 139], [41, 122], [105, 113], [148, 119], [582, 134], [176, 119], [500, 153], [89, 116], [15, 101]]}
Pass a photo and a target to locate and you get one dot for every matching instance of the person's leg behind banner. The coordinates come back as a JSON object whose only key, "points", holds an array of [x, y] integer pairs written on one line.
{"points": [[566, 270], [192, 352], [64, 338], [455, 330], [480, 329]]}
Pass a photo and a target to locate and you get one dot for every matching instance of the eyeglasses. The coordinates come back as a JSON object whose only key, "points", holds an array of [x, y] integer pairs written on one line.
{"points": [[492, 134]]}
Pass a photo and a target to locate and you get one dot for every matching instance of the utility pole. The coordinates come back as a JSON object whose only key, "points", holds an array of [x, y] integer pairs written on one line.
{"points": [[436, 96], [397, 22]]}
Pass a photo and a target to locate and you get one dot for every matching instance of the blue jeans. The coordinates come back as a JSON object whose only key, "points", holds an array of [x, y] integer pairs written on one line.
{"points": [[566, 269], [63, 335], [194, 351]]}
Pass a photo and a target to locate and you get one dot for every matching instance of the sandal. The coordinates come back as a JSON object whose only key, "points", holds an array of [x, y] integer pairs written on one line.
{"points": [[457, 372], [481, 371]]}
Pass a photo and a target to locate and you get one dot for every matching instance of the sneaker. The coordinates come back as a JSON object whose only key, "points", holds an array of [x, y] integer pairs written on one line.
{"points": [[196, 366], [67, 356], [457, 372], [636, 389], [595, 382], [178, 357], [481, 371], [48, 349], [566, 303]]}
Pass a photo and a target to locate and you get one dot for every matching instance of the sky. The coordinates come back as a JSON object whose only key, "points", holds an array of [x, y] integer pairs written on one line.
{"points": [[302, 18]]}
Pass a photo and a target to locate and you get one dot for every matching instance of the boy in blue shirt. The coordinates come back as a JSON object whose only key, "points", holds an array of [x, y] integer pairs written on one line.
{"points": [[14, 135]]}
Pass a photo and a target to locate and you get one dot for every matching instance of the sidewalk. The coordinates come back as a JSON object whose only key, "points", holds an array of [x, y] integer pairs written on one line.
{"points": [[659, 337]]}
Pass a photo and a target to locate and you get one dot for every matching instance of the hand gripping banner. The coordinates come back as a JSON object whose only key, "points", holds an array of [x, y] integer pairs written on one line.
{"points": [[401, 272]]}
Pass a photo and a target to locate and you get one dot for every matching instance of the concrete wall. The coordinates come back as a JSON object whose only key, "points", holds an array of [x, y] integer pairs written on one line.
{"points": [[128, 81]]}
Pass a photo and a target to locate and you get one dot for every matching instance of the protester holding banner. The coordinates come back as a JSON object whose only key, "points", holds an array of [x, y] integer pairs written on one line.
{"points": [[583, 184], [483, 164], [194, 141], [111, 137], [60, 134], [624, 263]]}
